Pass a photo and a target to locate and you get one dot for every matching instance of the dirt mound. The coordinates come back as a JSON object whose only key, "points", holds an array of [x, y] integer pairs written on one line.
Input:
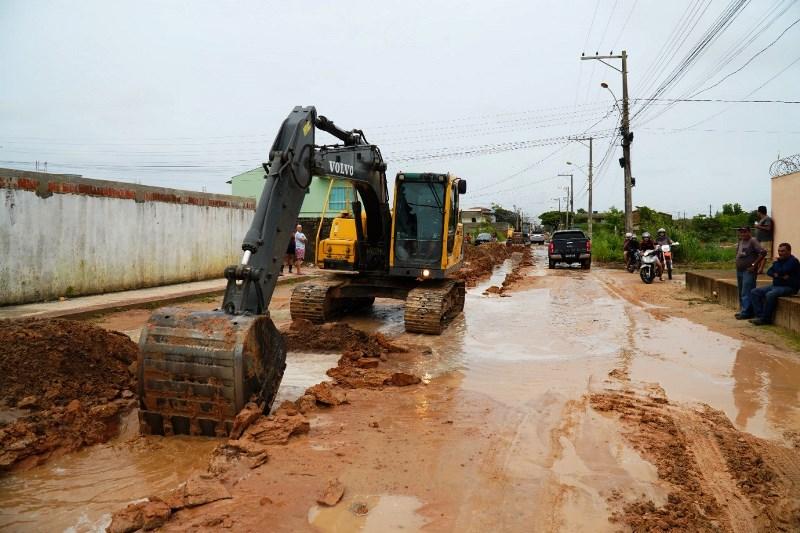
{"points": [[302, 336], [74, 379], [56, 361], [516, 274], [479, 261], [697, 500]]}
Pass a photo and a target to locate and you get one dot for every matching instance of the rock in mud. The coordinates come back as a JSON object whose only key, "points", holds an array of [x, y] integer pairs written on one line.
{"points": [[306, 403], [326, 394], [332, 493], [225, 455], [147, 515], [401, 379], [199, 489], [277, 428], [249, 413]]}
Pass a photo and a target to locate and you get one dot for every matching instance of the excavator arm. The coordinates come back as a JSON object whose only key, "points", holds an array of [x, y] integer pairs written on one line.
{"points": [[196, 370]]}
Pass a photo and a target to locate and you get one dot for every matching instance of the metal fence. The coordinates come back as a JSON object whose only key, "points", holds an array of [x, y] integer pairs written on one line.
{"points": [[785, 165]]}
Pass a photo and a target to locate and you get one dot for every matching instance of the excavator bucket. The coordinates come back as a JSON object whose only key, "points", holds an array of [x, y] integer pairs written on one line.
{"points": [[196, 370]]}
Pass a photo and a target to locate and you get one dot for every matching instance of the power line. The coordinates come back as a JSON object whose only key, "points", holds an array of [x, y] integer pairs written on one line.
{"points": [[749, 60], [718, 100]]}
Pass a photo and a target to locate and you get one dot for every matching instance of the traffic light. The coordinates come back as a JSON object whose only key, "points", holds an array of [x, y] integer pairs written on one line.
{"points": [[633, 181], [622, 162]]}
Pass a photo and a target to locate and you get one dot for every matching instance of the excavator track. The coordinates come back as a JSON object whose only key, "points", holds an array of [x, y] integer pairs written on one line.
{"points": [[312, 301], [430, 307]]}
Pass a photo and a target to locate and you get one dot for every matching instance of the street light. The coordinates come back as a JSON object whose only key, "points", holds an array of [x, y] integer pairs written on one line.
{"points": [[604, 85]]}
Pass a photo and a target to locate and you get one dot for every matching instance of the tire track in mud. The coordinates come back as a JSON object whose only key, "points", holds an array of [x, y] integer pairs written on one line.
{"points": [[721, 479]]}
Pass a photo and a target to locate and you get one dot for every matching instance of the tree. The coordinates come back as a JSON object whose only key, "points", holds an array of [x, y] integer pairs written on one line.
{"points": [[551, 218], [504, 215], [582, 211], [614, 217]]}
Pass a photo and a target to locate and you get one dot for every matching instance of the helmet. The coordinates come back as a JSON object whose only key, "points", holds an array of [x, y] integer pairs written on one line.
{"points": [[646, 235], [662, 230], [628, 235]]}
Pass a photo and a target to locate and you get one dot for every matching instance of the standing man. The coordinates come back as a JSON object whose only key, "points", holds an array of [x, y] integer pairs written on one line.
{"points": [[764, 229], [785, 274], [749, 254], [299, 247]]}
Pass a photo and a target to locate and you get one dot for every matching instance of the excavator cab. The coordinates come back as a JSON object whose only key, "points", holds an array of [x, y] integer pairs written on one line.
{"points": [[426, 233]]}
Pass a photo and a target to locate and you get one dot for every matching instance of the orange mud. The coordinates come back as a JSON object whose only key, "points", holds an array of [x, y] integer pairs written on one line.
{"points": [[72, 381], [479, 261], [254, 435]]}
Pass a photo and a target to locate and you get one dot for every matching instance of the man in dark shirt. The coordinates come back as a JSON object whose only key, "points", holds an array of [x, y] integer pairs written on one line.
{"points": [[764, 229], [748, 256], [785, 274]]}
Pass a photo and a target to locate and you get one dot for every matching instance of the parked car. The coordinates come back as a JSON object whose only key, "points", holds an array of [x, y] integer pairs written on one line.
{"points": [[538, 238], [482, 238], [570, 246]]}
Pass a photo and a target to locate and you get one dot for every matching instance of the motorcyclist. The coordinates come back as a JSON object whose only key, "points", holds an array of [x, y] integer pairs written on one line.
{"points": [[625, 246], [631, 247], [649, 244], [661, 237]]}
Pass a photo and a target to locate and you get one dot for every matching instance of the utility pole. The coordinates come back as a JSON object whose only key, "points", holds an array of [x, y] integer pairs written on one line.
{"points": [[570, 202], [581, 139], [627, 135], [559, 209]]}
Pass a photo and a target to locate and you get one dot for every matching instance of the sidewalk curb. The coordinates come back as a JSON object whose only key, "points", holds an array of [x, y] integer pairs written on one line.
{"points": [[145, 302]]}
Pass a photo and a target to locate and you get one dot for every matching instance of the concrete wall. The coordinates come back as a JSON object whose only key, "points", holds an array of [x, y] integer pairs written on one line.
{"points": [[66, 236], [785, 202], [720, 287]]}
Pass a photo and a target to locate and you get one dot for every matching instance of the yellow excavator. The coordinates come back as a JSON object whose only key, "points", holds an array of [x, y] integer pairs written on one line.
{"points": [[196, 370]]}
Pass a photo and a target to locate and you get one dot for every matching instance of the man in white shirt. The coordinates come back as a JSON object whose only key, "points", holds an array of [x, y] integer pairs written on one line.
{"points": [[299, 247]]}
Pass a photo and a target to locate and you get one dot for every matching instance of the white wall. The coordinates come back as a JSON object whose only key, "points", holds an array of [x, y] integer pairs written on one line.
{"points": [[73, 244]]}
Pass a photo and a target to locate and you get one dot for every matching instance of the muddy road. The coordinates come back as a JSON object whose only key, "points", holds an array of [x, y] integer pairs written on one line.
{"points": [[573, 401]]}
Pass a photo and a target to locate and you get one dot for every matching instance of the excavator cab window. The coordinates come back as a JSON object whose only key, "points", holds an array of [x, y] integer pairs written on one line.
{"points": [[419, 222]]}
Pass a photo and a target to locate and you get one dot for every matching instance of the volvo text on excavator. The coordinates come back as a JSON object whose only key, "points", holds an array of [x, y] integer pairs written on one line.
{"points": [[196, 370]]}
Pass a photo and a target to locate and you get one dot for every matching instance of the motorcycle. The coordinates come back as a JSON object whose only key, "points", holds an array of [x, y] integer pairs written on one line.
{"points": [[654, 260], [666, 252], [650, 266], [634, 261]]}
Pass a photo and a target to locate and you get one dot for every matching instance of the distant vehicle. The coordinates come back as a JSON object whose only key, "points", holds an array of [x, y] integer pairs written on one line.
{"points": [[570, 246], [483, 238], [519, 238], [538, 238]]}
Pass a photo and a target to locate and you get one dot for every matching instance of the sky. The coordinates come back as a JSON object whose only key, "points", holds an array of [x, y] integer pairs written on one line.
{"points": [[188, 94]]}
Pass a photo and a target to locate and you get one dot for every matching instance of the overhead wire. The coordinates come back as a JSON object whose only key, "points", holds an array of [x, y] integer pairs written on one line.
{"points": [[762, 25]]}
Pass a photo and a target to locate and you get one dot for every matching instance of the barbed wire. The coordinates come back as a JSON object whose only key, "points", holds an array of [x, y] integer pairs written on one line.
{"points": [[785, 165]]}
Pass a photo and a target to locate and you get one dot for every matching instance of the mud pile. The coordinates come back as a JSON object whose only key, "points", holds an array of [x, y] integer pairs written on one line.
{"points": [[70, 379], [517, 273], [690, 466], [479, 261], [358, 367], [303, 336]]}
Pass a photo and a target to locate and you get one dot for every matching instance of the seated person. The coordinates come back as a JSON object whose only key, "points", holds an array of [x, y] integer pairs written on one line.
{"points": [[785, 274]]}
